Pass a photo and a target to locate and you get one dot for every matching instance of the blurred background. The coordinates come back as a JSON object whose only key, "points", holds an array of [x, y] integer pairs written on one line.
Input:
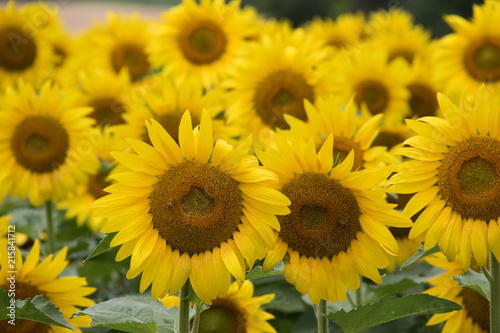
{"points": [[78, 14]]}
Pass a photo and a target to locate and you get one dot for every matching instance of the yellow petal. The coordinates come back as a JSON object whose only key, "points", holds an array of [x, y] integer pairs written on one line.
{"points": [[206, 137], [186, 136], [479, 242], [303, 282], [494, 238], [162, 141], [379, 232], [233, 259]]}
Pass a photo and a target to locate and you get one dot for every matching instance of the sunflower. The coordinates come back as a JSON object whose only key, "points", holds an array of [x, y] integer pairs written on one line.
{"points": [[25, 51], [197, 211], [45, 148], [274, 77], [455, 170], [350, 131], [475, 316], [200, 41], [165, 101], [346, 31], [235, 311], [119, 43], [375, 82], [470, 57], [33, 278], [106, 93], [335, 230]]}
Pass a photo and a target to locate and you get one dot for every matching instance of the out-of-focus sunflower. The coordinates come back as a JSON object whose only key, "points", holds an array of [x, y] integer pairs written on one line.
{"points": [[350, 132], [336, 229], [235, 311], [45, 145], [273, 77], [475, 316], [197, 211], [107, 94], [33, 278], [346, 31], [455, 172], [25, 51], [199, 42], [166, 102], [423, 90], [115, 45], [470, 56], [375, 82]]}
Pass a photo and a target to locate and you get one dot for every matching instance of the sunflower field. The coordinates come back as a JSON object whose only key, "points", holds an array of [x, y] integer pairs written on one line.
{"points": [[218, 170]]}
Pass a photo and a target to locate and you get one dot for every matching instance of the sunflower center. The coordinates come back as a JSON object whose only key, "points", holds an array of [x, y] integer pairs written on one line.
{"points": [[107, 111], [203, 42], [23, 291], [482, 60], [423, 100], [387, 139], [170, 122], [469, 178], [374, 94], [97, 183], [195, 207], [342, 146], [131, 56], [279, 93], [477, 307], [324, 216], [39, 144], [17, 52], [222, 316]]}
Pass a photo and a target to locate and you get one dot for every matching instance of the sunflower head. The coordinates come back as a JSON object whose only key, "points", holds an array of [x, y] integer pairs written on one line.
{"points": [[203, 211]]}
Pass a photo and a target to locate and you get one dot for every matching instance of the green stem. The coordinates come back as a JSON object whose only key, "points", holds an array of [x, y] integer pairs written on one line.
{"points": [[321, 312], [495, 294], [50, 227], [184, 309], [359, 296], [197, 316]]}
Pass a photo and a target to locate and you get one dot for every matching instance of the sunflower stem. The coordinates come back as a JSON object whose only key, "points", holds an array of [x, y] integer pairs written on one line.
{"points": [[197, 316], [487, 274], [184, 309], [321, 312], [495, 294], [50, 227]]}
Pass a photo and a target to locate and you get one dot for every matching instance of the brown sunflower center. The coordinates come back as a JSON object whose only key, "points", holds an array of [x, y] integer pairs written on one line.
{"points": [[17, 51], [222, 316], [387, 139], [23, 291], [423, 100], [131, 56], [482, 59], [374, 94], [39, 144], [337, 43], [97, 183], [195, 207], [107, 111], [324, 216], [342, 146], [403, 53], [469, 178], [279, 93], [170, 122], [202, 42], [477, 307]]}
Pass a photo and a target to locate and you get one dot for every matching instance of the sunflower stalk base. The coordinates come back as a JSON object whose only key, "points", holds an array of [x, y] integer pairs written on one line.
{"points": [[184, 309], [495, 294]]}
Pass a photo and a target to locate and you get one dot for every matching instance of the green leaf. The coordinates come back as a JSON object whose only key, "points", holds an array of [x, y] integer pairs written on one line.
{"points": [[37, 309], [132, 313], [104, 246], [388, 309], [256, 272], [421, 253], [475, 281]]}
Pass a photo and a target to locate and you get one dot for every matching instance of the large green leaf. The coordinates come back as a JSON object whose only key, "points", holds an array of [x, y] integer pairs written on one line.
{"points": [[388, 309], [133, 313], [37, 309], [104, 246], [421, 253], [476, 282]]}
